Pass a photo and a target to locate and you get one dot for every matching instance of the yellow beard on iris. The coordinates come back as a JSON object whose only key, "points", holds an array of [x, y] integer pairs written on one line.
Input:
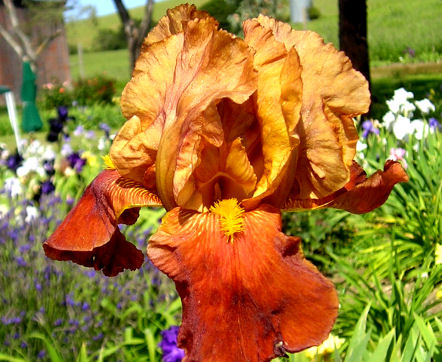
{"points": [[230, 216]]}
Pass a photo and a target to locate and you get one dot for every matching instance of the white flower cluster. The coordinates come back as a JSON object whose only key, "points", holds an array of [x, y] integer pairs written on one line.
{"points": [[399, 118], [34, 155]]}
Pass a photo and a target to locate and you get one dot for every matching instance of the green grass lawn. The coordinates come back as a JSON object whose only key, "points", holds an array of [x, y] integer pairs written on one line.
{"points": [[393, 26], [84, 31]]}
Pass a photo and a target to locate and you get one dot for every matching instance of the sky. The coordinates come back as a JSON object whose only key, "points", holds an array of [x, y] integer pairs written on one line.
{"points": [[104, 7]]}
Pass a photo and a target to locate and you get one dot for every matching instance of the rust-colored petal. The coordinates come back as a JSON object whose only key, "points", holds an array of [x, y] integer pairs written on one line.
{"points": [[361, 194], [246, 300], [89, 234], [333, 92]]}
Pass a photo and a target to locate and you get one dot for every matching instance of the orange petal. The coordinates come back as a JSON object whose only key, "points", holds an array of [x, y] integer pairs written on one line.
{"points": [[173, 22], [360, 194], [278, 102], [333, 92], [134, 150], [211, 65], [90, 230], [246, 300]]}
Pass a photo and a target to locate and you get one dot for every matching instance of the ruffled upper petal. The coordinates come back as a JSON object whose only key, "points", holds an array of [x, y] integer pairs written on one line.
{"points": [[173, 22], [89, 235], [249, 299], [212, 65], [333, 92], [278, 102]]}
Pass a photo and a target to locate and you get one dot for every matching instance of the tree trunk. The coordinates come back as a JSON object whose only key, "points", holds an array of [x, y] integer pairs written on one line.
{"points": [[353, 33], [134, 34]]}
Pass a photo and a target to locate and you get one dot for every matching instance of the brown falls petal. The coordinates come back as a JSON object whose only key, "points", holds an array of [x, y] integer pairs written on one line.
{"points": [[333, 92], [246, 300], [89, 234], [361, 194], [372, 192]]}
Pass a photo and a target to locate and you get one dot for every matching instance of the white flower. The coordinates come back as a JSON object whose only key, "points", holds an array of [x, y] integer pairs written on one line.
{"points": [[49, 154], [31, 164], [425, 106], [3, 210], [101, 143], [389, 119], [402, 128], [360, 147], [31, 214], [13, 186], [402, 94], [420, 128], [399, 103]]}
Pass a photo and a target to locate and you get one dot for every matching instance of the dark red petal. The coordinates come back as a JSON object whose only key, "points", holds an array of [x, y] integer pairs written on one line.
{"points": [[360, 194], [113, 257], [249, 300], [90, 230]]}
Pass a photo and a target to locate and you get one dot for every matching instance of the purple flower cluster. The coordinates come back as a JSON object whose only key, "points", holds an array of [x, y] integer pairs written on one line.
{"points": [[171, 351], [368, 127], [76, 162]]}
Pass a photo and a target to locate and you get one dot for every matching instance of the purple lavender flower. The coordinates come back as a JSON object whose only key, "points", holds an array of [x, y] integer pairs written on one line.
{"points": [[90, 134], [76, 162], [98, 337], [62, 112], [58, 322], [48, 166], [47, 187], [41, 354], [20, 261], [14, 161], [171, 352], [69, 301], [85, 306], [23, 345], [105, 127], [368, 128], [434, 124], [38, 286]]}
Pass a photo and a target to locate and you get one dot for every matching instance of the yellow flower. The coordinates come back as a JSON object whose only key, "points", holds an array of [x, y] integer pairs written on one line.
{"points": [[327, 347], [438, 254]]}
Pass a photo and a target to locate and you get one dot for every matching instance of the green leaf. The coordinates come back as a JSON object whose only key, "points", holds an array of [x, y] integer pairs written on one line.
{"points": [[82, 356], [380, 353], [5, 357], [53, 352], [358, 342]]}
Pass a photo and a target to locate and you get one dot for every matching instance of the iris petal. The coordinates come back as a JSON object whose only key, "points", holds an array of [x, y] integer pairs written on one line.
{"points": [[333, 92], [361, 194], [258, 290], [89, 235]]}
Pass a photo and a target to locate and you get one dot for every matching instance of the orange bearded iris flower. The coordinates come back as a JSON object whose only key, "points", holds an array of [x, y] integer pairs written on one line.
{"points": [[225, 133]]}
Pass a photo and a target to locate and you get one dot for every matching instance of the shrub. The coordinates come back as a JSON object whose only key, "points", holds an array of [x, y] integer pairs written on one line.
{"points": [[56, 94], [108, 39], [99, 89]]}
